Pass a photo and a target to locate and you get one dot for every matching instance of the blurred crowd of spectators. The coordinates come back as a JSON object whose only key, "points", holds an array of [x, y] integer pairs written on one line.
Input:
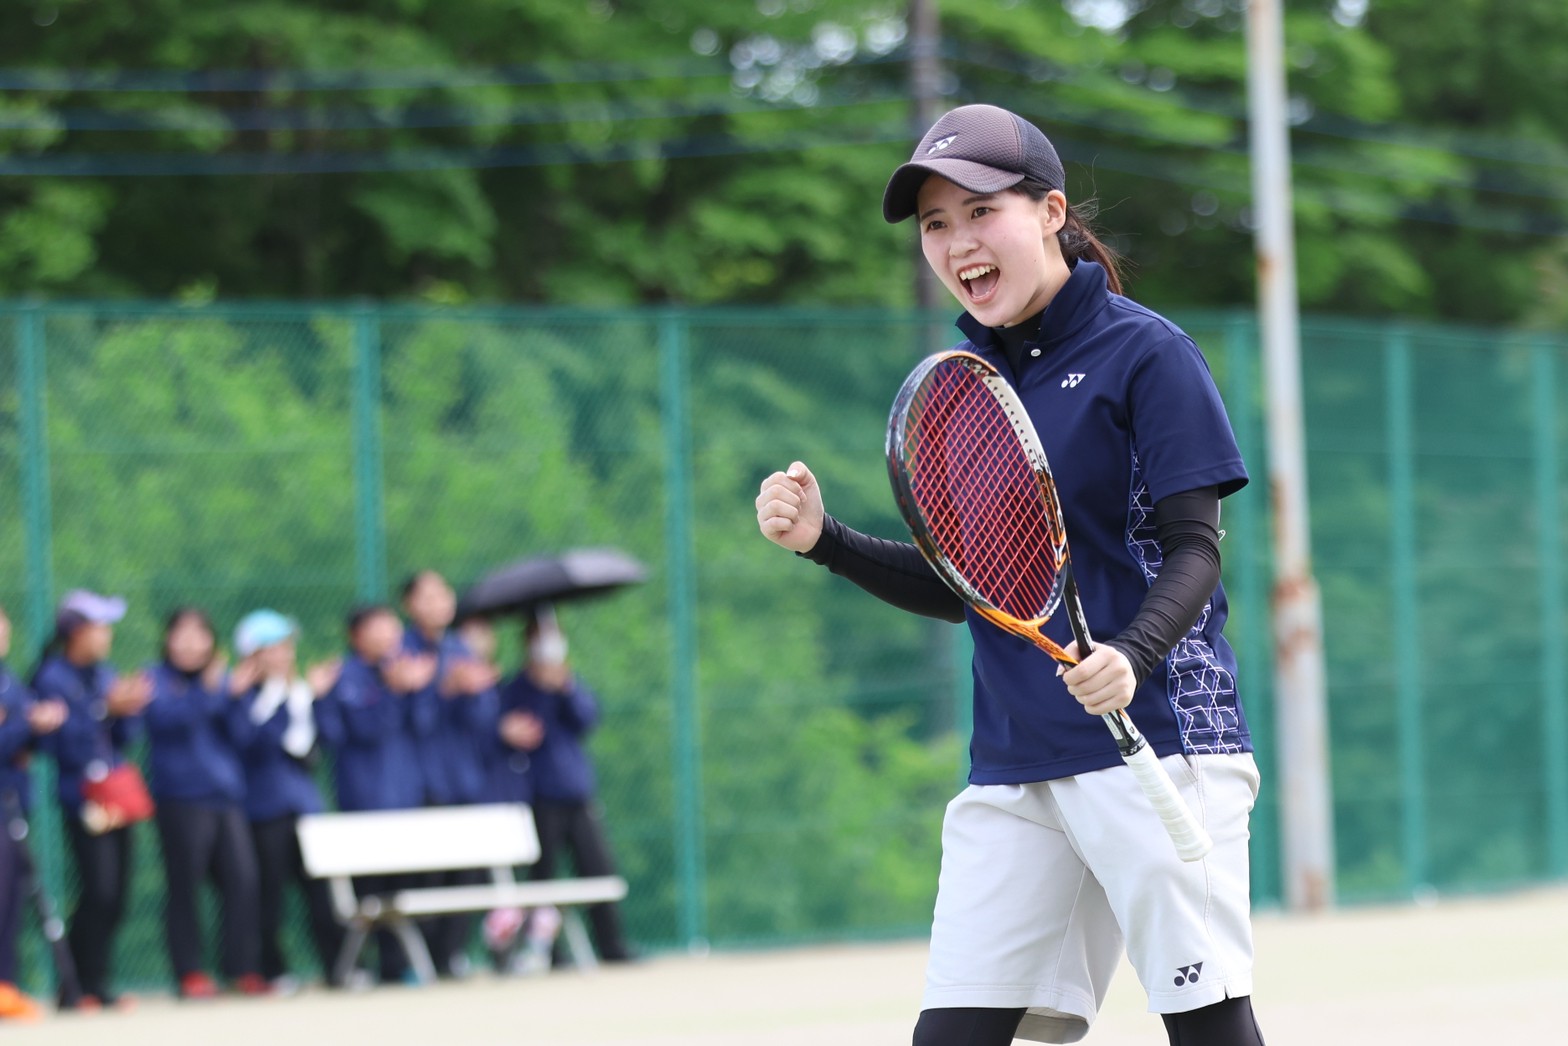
{"points": [[414, 713]]}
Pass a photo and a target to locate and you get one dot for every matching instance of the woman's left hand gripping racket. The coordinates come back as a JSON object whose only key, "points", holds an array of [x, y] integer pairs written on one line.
{"points": [[974, 486]]}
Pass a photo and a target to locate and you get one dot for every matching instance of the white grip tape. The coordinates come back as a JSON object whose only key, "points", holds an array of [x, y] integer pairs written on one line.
{"points": [[1192, 842]]}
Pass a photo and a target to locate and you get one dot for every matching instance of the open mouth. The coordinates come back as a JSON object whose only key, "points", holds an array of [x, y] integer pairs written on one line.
{"points": [[979, 281]]}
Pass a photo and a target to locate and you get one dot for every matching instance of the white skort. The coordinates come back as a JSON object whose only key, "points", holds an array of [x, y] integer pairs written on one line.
{"points": [[1042, 883]]}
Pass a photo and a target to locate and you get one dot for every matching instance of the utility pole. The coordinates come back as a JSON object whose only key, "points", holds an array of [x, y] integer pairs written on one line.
{"points": [[1299, 687], [925, 86]]}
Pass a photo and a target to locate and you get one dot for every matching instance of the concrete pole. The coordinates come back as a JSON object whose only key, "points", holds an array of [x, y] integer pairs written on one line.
{"points": [[1307, 827], [925, 87]]}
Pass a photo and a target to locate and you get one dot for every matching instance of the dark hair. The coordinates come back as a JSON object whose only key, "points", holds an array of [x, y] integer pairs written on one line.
{"points": [[188, 613], [64, 625], [364, 612], [1077, 237], [412, 581]]}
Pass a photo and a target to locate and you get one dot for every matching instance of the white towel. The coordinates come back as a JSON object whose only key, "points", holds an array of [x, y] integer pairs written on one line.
{"points": [[300, 734]]}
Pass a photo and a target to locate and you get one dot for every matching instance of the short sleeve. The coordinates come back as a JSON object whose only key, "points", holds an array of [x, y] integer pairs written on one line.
{"points": [[1179, 426]]}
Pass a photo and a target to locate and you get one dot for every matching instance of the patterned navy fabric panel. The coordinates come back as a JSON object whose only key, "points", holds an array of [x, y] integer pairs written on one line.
{"points": [[1202, 690]]}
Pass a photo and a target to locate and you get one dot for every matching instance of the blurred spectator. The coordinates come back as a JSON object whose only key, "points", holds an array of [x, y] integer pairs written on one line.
{"points": [[463, 694], [21, 720], [279, 786], [197, 728], [518, 732], [372, 719], [101, 716], [513, 735], [569, 818], [465, 688]]}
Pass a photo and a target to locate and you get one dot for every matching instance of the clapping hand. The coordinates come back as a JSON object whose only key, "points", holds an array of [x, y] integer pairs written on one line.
{"points": [[47, 716], [323, 676], [245, 676], [521, 730], [212, 675], [406, 673], [128, 695], [468, 676]]}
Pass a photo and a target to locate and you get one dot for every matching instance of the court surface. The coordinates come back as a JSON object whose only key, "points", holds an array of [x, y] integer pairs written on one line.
{"points": [[1473, 970]]}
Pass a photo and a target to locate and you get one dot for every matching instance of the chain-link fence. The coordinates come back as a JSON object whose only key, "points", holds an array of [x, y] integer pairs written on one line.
{"points": [[777, 746]]}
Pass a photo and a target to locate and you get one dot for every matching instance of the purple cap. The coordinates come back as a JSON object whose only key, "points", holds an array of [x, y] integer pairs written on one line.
{"points": [[79, 605], [979, 147]]}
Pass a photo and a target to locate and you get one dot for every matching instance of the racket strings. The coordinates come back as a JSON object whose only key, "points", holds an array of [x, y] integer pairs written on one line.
{"points": [[979, 494]]}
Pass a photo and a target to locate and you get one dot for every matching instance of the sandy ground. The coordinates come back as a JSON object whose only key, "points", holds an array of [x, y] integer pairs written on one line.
{"points": [[1478, 970]]}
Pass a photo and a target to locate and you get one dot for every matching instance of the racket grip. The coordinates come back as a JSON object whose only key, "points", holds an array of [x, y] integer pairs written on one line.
{"points": [[1192, 842]]}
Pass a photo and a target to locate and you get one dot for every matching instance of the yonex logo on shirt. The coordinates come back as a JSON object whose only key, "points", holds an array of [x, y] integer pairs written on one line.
{"points": [[1188, 974], [1072, 380]]}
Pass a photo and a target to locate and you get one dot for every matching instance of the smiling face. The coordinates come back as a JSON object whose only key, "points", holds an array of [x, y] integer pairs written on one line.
{"points": [[377, 636], [996, 252], [189, 644], [430, 603]]}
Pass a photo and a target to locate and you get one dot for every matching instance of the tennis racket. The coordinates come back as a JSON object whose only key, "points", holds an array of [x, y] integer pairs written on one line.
{"points": [[974, 485]]}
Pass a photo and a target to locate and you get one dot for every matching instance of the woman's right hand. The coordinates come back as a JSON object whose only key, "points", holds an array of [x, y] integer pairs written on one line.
{"points": [[789, 509], [128, 695]]}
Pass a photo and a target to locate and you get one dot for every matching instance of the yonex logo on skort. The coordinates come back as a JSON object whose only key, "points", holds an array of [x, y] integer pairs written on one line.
{"points": [[1072, 380], [943, 144], [1188, 974]]}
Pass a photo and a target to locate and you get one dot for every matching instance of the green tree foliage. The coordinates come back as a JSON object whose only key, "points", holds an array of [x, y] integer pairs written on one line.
{"points": [[601, 152]]}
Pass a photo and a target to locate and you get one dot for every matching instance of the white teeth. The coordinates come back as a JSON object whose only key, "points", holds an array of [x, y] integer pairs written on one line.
{"points": [[975, 272]]}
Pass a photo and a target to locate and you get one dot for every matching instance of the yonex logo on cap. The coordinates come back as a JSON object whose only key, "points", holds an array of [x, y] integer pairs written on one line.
{"points": [[942, 144]]}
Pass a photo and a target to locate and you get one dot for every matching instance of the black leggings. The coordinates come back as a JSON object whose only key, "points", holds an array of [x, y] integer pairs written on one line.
{"points": [[103, 865], [13, 884], [1226, 1023], [967, 1026], [202, 843], [281, 866]]}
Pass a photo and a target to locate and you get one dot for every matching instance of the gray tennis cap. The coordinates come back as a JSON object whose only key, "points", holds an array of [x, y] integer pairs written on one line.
{"points": [[980, 147]]}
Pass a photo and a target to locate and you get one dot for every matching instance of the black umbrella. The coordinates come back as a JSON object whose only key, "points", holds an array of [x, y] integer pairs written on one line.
{"points": [[520, 586]]}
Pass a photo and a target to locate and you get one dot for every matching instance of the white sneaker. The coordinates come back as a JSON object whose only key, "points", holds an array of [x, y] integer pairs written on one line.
{"points": [[286, 985]]}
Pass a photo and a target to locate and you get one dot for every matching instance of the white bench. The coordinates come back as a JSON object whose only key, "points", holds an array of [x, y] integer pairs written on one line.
{"points": [[496, 837]]}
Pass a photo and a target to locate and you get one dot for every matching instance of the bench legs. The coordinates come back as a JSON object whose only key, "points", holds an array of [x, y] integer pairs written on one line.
{"points": [[408, 936], [353, 943], [414, 947], [577, 942]]}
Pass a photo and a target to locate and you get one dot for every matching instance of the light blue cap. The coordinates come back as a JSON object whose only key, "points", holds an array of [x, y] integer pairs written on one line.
{"points": [[262, 628]]}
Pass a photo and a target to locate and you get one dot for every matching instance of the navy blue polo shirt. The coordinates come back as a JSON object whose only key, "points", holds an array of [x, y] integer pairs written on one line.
{"points": [[1128, 414]]}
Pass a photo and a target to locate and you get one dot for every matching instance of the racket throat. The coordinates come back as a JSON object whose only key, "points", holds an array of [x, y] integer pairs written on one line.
{"points": [[1128, 739]]}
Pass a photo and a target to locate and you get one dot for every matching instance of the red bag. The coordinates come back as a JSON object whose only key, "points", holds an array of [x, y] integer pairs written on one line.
{"points": [[116, 799]]}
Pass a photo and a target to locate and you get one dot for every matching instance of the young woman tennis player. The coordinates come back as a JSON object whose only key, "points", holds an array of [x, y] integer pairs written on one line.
{"points": [[1052, 858]]}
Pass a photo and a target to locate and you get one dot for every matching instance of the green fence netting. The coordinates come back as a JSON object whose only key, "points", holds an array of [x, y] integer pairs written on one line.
{"points": [[778, 747]]}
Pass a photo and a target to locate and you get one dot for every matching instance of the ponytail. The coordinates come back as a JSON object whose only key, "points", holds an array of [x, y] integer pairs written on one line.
{"points": [[1079, 241]]}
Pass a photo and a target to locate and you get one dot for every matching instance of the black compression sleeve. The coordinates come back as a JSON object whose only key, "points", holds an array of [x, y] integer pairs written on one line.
{"points": [[893, 571], [1187, 527]]}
